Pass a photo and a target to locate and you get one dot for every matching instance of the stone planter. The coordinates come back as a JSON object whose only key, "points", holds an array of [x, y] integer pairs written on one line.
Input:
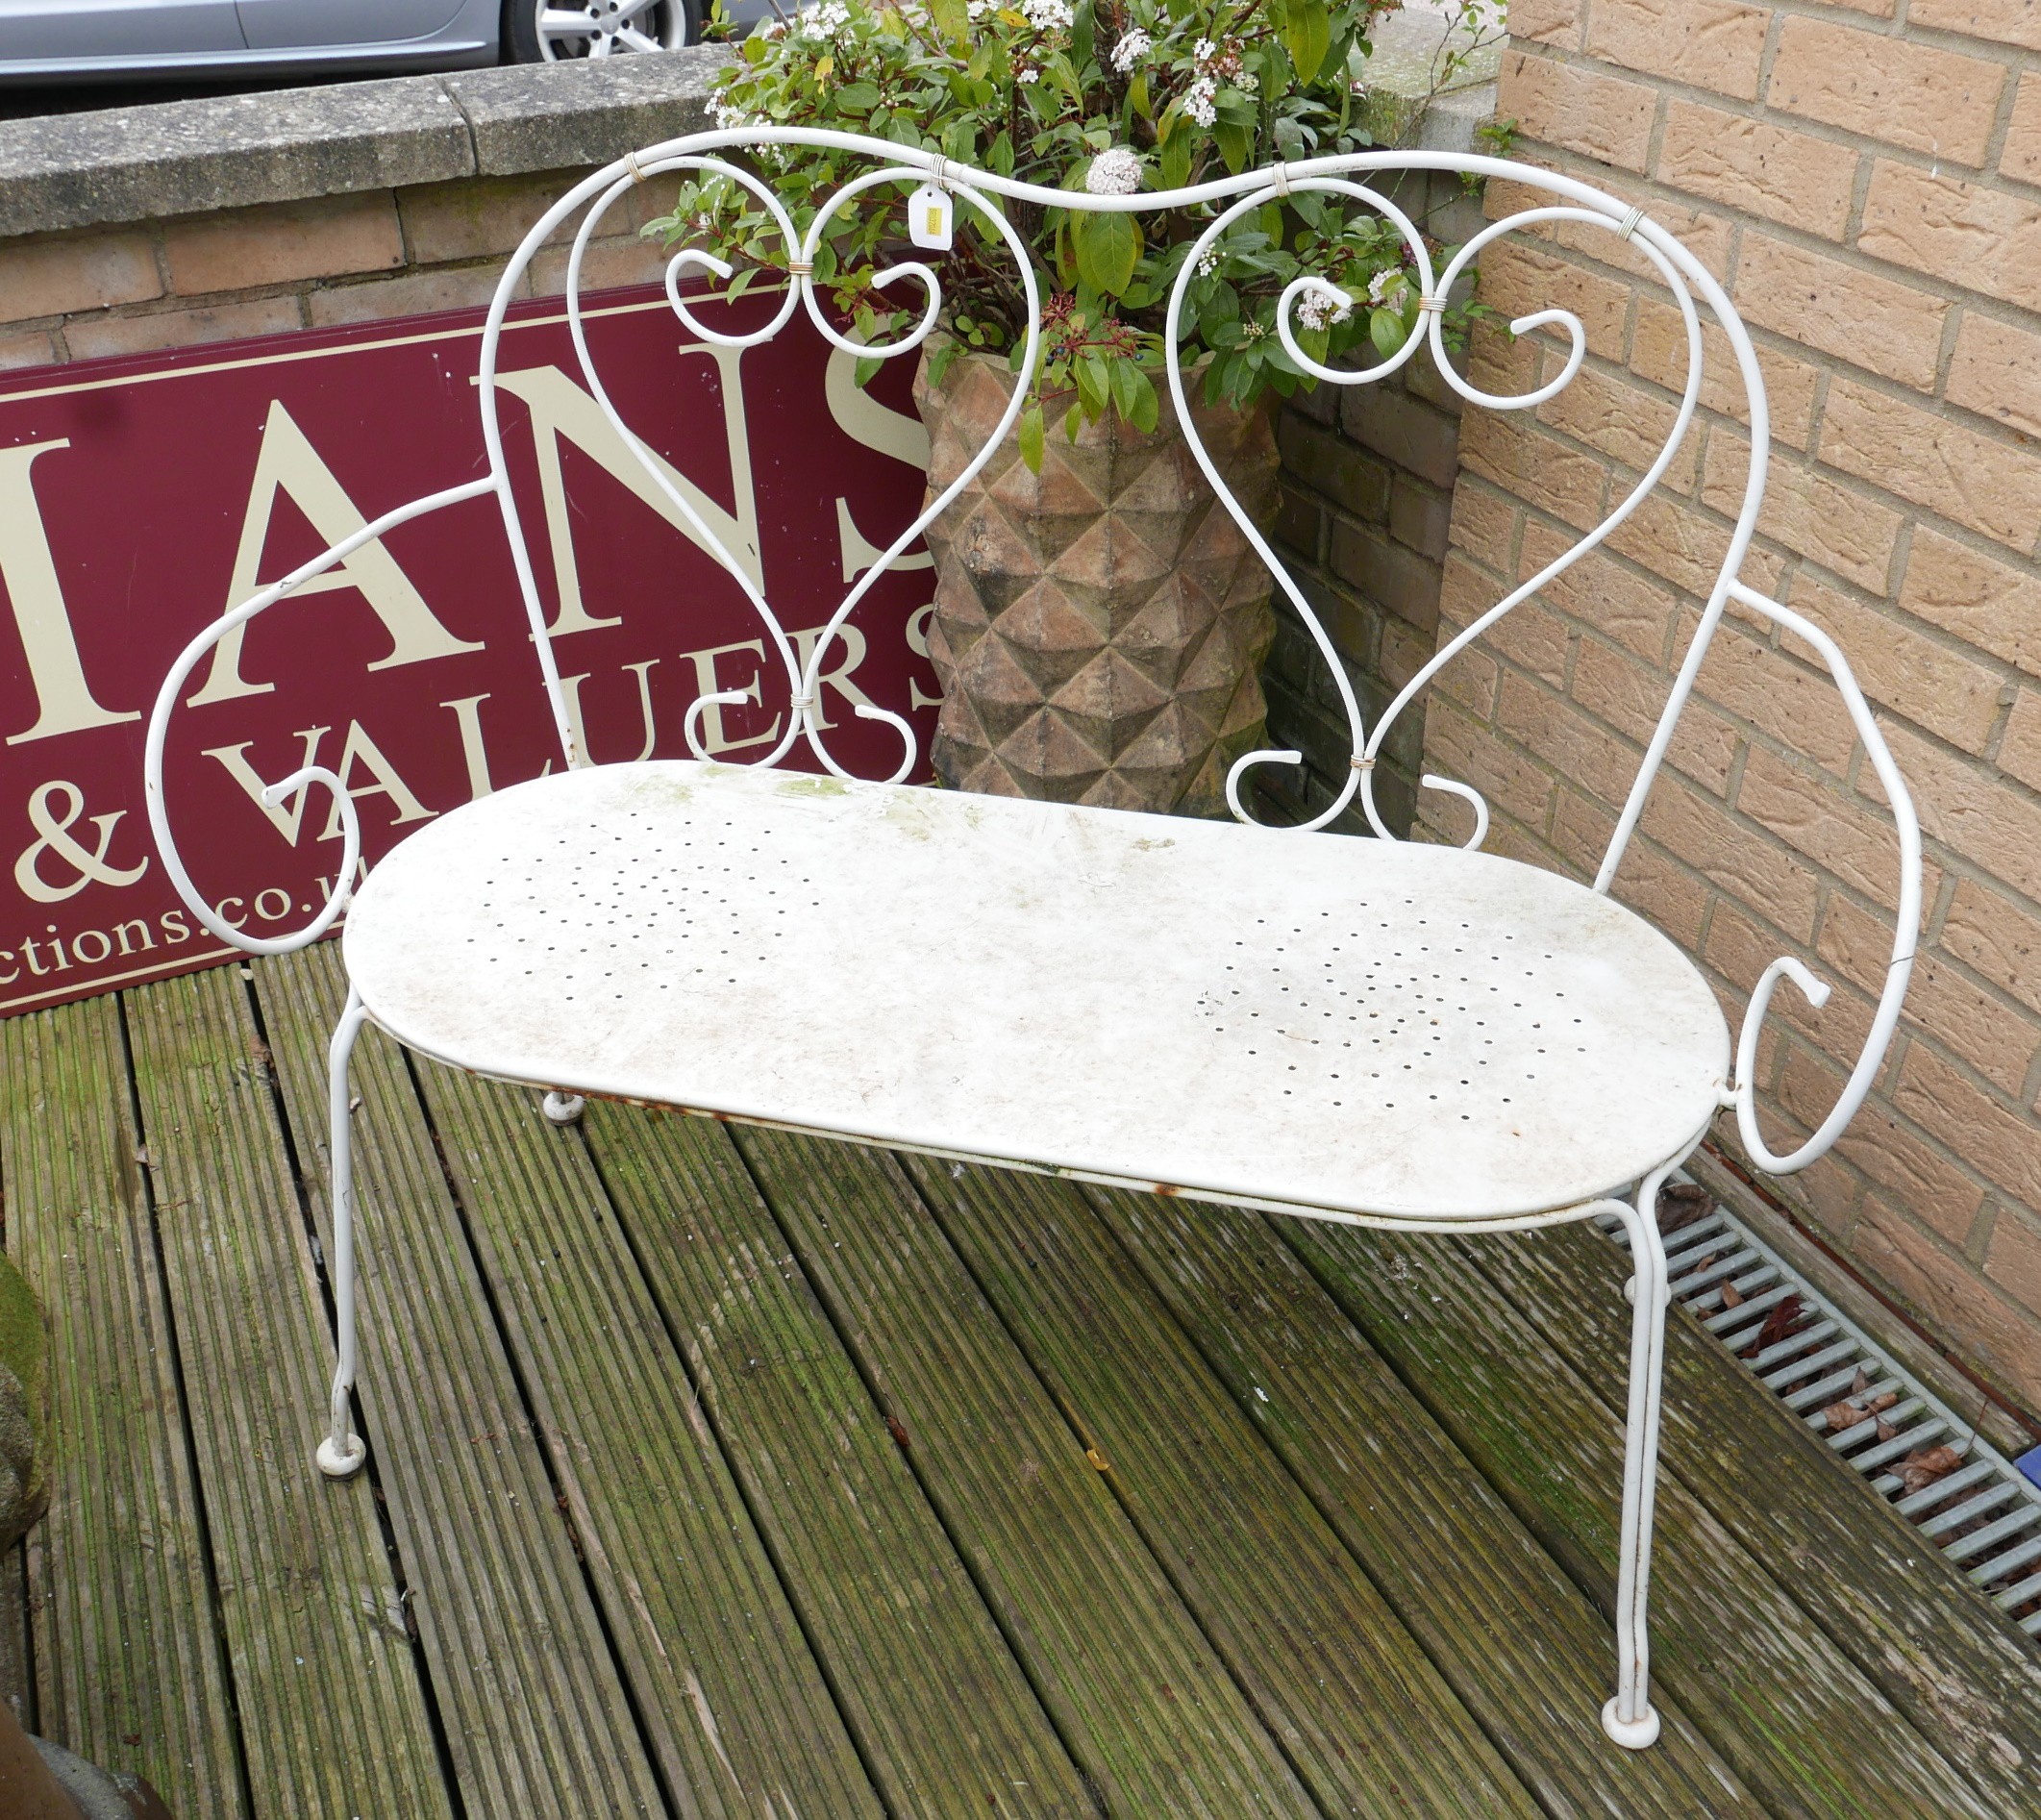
{"points": [[1099, 628]]}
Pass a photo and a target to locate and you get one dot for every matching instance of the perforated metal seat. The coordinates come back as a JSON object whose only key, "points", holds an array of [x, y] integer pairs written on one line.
{"points": [[1352, 1025]]}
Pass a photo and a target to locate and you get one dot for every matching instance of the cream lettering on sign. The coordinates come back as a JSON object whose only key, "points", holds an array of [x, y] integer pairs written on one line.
{"points": [[64, 701], [715, 739], [847, 648], [562, 410], [56, 843], [287, 817], [467, 716], [887, 431], [288, 463], [358, 750], [358, 753]]}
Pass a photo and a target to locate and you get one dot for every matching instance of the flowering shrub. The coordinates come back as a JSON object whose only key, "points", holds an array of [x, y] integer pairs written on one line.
{"points": [[1111, 96]]}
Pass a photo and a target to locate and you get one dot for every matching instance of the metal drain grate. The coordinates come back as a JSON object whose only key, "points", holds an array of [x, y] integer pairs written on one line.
{"points": [[1983, 1512]]}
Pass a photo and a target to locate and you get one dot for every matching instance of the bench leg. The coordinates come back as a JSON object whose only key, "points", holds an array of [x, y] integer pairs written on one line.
{"points": [[562, 1108], [341, 1453], [1630, 1718]]}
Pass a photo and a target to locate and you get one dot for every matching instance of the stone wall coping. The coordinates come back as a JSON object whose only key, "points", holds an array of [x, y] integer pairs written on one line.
{"points": [[124, 164], [175, 158]]}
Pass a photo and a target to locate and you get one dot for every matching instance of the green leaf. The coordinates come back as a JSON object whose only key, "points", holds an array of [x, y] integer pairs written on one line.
{"points": [[1073, 422], [1137, 96], [1307, 35], [1094, 384], [863, 370], [1385, 329], [1030, 437], [1107, 247], [1144, 410], [1235, 145], [1125, 373]]}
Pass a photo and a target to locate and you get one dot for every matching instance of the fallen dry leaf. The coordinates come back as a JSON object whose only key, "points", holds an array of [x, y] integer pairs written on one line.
{"points": [[1784, 1317], [1883, 1402], [1859, 1384], [1680, 1204], [897, 1431], [1842, 1415], [1887, 1430], [1922, 1467], [1731, 1296]]}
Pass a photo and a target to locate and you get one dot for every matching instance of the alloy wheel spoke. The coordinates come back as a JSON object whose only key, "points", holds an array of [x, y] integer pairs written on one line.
{"points": [[636, 40], [557, 23]]}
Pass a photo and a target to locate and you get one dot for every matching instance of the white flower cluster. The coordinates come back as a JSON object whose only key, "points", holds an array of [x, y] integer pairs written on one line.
{"points": [[1050, 15], [1132, 46], [1026, 75], [729, 115], [1114, 172], [1209, 261], [1198, 101], [1316, 309], [977, 9], [1384, 283], [1203, 49], [825, 20]]}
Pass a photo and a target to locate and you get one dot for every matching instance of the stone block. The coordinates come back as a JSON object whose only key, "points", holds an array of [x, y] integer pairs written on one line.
{"points": [[1928, 100], [553, 116], [284, 243], [54, 276], [91, 337], [186, 156]]}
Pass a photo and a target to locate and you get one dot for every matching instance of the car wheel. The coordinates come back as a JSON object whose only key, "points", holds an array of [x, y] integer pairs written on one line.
{"points": [[543, 32]]}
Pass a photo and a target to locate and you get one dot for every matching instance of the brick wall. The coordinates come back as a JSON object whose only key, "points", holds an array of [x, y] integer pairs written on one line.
{"points": [[1866, 181], [1367, 494], [304, 265]]}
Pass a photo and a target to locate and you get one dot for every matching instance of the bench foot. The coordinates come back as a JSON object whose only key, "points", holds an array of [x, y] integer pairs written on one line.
{"points": [[563, 1109], [340, 1462], [1634, 1735]]}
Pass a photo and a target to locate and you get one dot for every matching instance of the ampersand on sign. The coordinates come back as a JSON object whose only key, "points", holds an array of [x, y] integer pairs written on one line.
{"points": [[54, 836]]}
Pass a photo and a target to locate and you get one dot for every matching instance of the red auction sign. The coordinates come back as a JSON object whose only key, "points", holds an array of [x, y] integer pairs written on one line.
{"points": [[141, 498]]}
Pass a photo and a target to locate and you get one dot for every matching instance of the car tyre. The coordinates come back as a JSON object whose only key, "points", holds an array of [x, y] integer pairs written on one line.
{"points": [[667, 24]]}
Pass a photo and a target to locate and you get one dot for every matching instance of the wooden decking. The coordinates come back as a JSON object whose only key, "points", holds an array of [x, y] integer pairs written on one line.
{"points": [[718, 1472]]}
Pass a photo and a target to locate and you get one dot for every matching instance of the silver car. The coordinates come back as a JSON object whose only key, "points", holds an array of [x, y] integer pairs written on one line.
{"points": [[92, 39]]}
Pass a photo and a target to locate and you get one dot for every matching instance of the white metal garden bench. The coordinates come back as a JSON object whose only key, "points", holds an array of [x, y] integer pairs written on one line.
{"points": [[1363, 1031]]}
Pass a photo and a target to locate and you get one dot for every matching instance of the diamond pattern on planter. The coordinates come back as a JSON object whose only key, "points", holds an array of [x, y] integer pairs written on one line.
{"points": [[1100, 627]]}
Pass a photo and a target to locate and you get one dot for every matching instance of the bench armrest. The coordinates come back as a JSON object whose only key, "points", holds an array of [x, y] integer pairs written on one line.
{"points": [[1743, 1091], [166, 702]]}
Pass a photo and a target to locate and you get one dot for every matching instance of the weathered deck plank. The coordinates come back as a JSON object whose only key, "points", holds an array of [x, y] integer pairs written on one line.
{"points": [[17, 1654], [333, 1715], [1508, 1629], [1363, 1715], [1111, 1651], [943, 1715], [537, 1721], [1960, 1670], [734, 1700], [128, 1661], [1805, 1729]]}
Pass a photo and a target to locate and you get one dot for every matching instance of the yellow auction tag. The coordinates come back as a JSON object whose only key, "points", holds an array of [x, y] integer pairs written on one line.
{"points": [[929, 218]]}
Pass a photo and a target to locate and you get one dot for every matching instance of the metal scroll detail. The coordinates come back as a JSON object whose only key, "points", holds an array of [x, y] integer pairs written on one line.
{"points": [[1221, 204]]}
